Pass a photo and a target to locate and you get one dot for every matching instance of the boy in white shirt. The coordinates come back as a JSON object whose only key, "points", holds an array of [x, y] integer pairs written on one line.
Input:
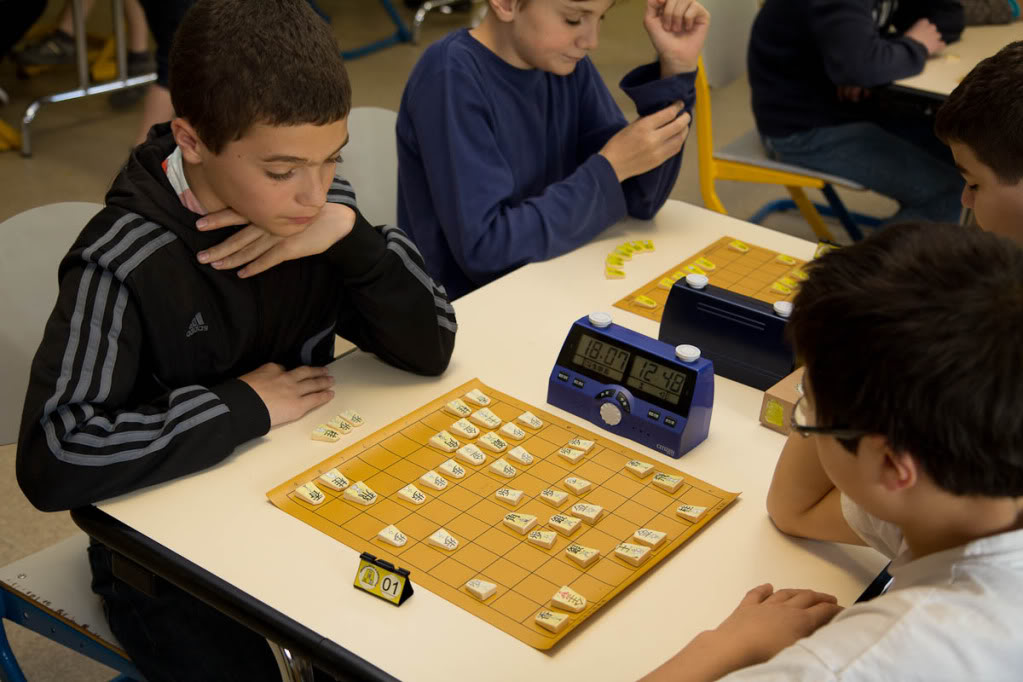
{"points": [[909, 438]]}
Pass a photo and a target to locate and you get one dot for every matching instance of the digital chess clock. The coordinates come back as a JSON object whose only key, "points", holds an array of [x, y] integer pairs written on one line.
{"points": [[648, 391]]}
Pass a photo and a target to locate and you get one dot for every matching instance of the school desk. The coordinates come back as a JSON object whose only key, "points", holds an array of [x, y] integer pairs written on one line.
{"points": [[216, 534]]}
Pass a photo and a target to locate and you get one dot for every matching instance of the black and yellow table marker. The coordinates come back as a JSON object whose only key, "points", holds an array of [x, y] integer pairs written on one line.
{"points": [[382, 579]]}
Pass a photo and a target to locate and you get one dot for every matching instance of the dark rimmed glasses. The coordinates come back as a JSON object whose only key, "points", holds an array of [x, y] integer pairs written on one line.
{"points": [[800, 422]]}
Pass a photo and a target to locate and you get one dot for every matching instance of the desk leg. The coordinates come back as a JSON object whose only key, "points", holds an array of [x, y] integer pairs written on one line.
{"points": [[293, 668]]}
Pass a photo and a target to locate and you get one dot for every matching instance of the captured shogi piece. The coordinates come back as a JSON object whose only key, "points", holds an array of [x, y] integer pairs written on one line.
{"points": [[488, 529], [728, 263]]}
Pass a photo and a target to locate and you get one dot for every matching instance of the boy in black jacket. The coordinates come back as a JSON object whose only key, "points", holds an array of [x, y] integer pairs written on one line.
{"points": [[154, 365], [811, 66]]}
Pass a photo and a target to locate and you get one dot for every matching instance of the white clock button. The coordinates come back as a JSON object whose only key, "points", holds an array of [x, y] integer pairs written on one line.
{"points": [[611, 415], [697, 281], [783, 308], [600, 320], [687, 353]]}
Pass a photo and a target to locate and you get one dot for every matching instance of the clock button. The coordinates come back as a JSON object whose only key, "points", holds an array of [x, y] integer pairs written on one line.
{"points": [[600, 320], [624, 402], [611, 415]]}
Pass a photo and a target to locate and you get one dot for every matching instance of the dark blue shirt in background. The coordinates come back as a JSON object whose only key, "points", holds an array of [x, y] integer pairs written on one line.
{"points": [[801, 50], [498, 166]]}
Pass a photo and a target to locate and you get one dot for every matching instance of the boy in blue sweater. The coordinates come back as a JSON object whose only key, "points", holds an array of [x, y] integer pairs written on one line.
{"points": [[812, 64], [511, 149]]}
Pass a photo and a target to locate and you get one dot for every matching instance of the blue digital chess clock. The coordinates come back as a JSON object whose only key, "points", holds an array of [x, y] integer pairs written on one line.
{"points": [[646, 390]]}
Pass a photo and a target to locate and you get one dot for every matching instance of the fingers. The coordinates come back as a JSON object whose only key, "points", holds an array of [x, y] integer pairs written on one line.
{"points": [[238, 240], [821, 614], [311, 401], [694, 14], [248, 254], [757, 595], [804, 599], [273, 256], [224, 218], [661, 118], [306, 372]]}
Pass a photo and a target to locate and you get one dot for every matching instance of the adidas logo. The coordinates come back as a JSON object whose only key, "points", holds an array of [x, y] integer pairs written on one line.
{"points": [[196, 325]]}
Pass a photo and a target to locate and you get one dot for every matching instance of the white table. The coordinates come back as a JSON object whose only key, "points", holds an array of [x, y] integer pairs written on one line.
{"points": [[943, 72], [221, 520]]}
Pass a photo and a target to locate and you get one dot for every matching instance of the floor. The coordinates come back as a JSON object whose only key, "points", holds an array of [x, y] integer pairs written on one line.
{"points": [[80, 145]]}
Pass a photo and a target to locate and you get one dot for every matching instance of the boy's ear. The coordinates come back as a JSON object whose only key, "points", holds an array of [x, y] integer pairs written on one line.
{"points": [[899, 470], [504, 10], [192, 148]]}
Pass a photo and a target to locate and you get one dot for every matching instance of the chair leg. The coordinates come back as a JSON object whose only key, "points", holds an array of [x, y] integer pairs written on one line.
{"points": [[9, 669], [810, 213], [842, 213]]}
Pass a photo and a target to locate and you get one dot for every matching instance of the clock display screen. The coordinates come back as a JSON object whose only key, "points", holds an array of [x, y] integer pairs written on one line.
{"points": [[657, 380], [602, 357]]}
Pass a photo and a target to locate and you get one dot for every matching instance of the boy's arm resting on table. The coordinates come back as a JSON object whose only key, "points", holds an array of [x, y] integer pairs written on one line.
{"points": [[802, 500], [391, 307], [86, 434], [853, 50], [488, 230]]}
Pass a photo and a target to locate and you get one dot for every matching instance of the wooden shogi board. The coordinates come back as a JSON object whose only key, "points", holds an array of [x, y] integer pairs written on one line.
{"points": [[752, 273], [526, 575]]}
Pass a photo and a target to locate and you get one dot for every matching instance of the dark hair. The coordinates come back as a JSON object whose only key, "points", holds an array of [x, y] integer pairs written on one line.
{"points": [[236, 63], [985, 112], [917, 334]]}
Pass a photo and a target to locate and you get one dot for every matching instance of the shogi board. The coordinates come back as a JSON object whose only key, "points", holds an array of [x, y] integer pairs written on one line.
{"points": [[751, 273], [526, 575]]}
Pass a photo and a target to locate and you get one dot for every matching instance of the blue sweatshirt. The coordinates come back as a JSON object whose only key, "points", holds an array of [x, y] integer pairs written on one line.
{"points": [[498, 166], [800, 51]]}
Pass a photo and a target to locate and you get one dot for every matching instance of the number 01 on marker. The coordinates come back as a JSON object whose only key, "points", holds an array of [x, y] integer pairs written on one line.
{"points": [[382, 579]]}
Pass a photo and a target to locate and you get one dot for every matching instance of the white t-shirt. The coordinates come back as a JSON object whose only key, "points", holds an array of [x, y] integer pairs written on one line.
{"points": [[954, 615]]}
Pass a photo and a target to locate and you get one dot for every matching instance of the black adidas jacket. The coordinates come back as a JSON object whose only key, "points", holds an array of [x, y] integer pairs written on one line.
{"points": [[800, 51], [135, 381]]}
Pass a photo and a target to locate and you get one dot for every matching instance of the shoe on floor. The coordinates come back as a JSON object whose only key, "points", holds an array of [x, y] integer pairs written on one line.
{"points": [[53, 49]]}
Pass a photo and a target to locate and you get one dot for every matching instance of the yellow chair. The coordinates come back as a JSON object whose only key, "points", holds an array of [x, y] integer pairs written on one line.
{"points": [[745, 160]]}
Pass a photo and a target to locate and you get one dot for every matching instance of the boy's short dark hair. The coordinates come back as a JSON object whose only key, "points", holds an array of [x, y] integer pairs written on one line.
{"points": [[236, 63], [985, 112], [915, 334]]}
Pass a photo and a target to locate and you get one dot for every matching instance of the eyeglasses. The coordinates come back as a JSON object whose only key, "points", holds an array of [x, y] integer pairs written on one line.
{"points": [[800, 423]]}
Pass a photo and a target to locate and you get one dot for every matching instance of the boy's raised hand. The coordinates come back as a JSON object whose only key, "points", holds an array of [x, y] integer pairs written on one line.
{"points": [[677, 29], [290, 394], [259, 250], [647, 142]]}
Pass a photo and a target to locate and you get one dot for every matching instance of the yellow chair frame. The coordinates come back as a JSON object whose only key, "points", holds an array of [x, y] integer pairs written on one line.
{"points": [[712, 168]]}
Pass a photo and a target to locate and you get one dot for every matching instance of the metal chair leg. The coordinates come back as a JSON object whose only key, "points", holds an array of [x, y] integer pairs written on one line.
{"points": [[292, 668]]}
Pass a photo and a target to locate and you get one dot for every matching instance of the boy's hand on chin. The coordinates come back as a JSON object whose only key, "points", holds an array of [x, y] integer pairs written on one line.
{"points": [[677, 29], [259, 250]]}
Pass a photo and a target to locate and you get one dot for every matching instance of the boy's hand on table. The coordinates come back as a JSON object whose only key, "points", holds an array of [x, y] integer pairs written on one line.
{"points": [[647, 142], [927, 34], [677, 29], [290, 394], [259, 250], [767, 621], [764, 623]]}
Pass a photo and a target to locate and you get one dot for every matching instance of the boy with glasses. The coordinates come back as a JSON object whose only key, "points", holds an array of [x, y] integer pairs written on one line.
{"points": [[910, 440]]}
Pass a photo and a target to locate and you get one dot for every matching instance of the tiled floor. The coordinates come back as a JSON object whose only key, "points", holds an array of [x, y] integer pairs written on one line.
{"points": [[80, 145]]}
